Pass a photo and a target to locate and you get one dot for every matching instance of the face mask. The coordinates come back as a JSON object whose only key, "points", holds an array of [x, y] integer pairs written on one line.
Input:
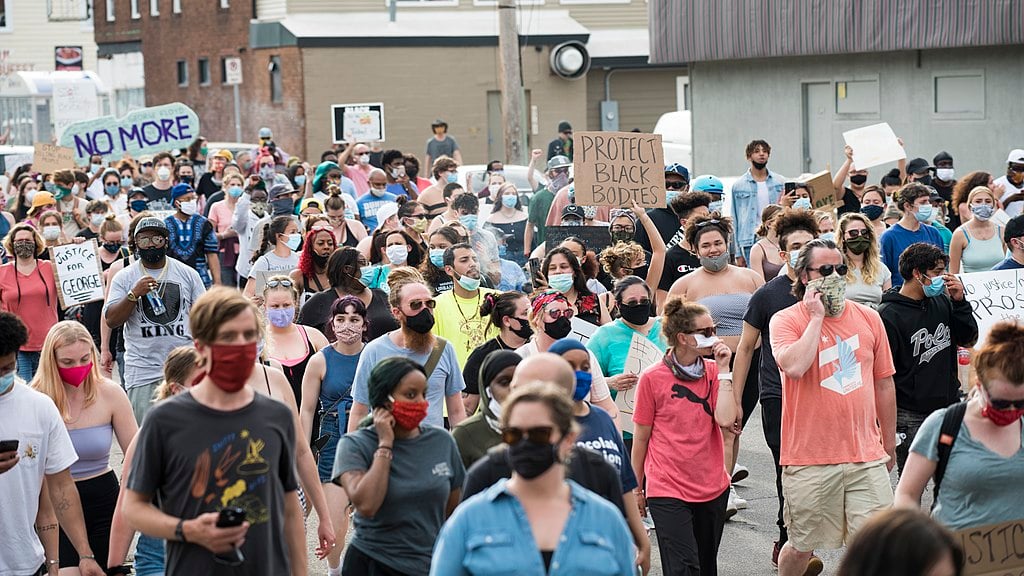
{"points": [[51, 232], [366, 274], [152, 255], [1000, 417], [61, 192], [282, 206], [583, 382], [502, 250], [559, 328], [452, 177], [715, 264], [468, 283], [833, 292], [364, 159], [397, 254], [858, 245], [437, 257], [982, 211], [347, 335], [636, 314], [186, 179], [509, 200], [111, 189], [96, 168], [420, 225], [126, 182], [872, 211], [670, 195], [138, 205], [231, 365], [715, 206], [25, 249], [6, 382], [560, 282], [320, 261], [163, 174], [235, 191], [300, 180], [621, 236], [926, 180], [690, 373], [112, 247], [830, 236], [923, 213], [188, 207], [378, 192], [50, 187], [97, 219], [802, 204], [702, 342], [945, 174], [469, 221], [572, 222], [589, 212], [281, 317], [792, 258], [858, 179], [530, 460], [267, 173], [525, 330], [74, 376], [492, 189], [759, 165], [558, 182], [203, 151], [259, 209], [408, 415], [293, 242], [422, 322], [30, 194], [937, 287], [493, 406], [75, 189]]}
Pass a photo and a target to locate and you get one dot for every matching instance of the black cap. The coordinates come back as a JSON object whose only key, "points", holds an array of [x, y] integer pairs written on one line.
{"points": [[573, 211], [942, 157], [918, 166], [1014, 228], [564, 126]]}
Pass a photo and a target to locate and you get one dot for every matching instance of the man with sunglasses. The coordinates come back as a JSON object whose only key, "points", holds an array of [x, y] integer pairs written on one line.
{"points": [[838, 409], [151, 298], [1012, 183], [925, 321], [677, 182]]}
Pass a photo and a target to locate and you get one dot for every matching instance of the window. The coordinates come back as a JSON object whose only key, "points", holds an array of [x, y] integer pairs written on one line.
{"points": [[857, 97], [518, 2], [110, 10], [223, 70], [414, 3], [225, 4], [182, 73], [6, 25], [204, 71], [135, 10], [276, 83], [154, 7], [176, 6], [959, 95]]}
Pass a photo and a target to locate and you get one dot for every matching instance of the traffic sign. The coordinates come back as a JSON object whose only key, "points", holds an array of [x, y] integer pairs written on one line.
{"points": [[232, 71]]}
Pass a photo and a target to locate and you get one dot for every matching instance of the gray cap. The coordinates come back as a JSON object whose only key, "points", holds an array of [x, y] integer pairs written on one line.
{"points": [[151, 223], [266, 133], [279, 189], [559, 161]]}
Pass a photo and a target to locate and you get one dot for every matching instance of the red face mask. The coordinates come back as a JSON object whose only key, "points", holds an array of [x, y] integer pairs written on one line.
{"points": [[1001, 417], [76, 375], [408, 415], [231, 365]]}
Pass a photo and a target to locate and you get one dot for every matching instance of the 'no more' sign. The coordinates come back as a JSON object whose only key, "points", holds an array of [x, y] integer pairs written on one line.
{"points": [[145, 131]]}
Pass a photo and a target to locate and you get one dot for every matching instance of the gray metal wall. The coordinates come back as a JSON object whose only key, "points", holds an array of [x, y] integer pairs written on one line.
{"points": [[737, 101]]}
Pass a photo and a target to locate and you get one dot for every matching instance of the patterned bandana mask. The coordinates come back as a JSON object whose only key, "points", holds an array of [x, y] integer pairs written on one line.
{"points": [[833, 293]]}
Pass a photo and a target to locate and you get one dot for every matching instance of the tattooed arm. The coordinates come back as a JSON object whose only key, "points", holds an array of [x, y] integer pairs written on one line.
{"points": [[65, 501], [46, 528]]}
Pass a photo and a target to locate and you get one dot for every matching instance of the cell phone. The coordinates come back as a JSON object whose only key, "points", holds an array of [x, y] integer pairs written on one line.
{"points": [[789, 187], [8, 445], [230, 518]]}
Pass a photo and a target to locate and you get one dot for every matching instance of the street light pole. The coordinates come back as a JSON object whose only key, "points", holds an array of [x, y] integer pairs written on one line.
{"points": [[510, 83]]}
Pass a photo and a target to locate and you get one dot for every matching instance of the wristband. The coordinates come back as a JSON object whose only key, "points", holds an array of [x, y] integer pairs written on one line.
{"points": [[725, 376], [86, 557], [383, 453], [179, 531]]}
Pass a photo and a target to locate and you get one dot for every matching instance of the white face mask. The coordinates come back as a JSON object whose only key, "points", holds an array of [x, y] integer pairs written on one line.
{"points": [[163, 174], [364, 159], [188, 207], [97, 219], [945, 174], [702, 341], [51, 232], [74, 190]]}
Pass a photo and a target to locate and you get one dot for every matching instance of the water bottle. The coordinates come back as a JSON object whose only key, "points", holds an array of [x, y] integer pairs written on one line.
{"points": [[156, 303], [963, 372]]}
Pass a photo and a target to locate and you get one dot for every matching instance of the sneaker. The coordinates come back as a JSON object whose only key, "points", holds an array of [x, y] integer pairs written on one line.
{"points": [[740, 473], [648, 522], [776, 548], [814, 566], [736, 501], [730, 509]]}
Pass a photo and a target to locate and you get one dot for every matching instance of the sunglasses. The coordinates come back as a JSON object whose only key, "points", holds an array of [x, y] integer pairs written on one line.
{"points": [[850, 234], [276, 283], [319, 227], [1017, 167], [568, 313], [1004, 404], [417, 305], [536, 435], [707, 332], [151, 242], [417, 216], [675, 185], [827, 269], [708, 222]]}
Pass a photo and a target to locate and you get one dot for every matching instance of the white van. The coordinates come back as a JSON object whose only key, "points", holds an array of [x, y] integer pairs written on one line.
{"points": [[676, 138]]}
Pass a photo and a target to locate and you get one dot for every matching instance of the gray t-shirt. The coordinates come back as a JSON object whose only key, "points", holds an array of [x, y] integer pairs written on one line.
{"points": [[980, 487], [195, 460], [149, 337], [446, 379], [437, 148], [424, 472]]}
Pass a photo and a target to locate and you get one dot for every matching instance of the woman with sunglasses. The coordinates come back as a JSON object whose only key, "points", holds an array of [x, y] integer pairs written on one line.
{"points": [[27, 289], [508, 314], [311, 275], [567, 529], [867, 277], [403, 478], [432, 267], [682, 405], [343, 272], [979, 486], [414, 221]]}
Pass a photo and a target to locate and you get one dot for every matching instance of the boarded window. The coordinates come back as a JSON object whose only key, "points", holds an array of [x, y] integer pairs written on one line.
{"points": [[960, 94]]}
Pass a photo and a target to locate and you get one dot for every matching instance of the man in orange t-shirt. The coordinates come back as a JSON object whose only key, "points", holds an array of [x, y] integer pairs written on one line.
{"points": [[838, 409]]}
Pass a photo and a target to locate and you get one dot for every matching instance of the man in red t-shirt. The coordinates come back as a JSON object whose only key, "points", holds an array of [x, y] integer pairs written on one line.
{"points": [[838, 409]]}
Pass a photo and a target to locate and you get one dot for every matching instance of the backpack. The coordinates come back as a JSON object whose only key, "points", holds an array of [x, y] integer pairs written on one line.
{"points": [[951, 422]]}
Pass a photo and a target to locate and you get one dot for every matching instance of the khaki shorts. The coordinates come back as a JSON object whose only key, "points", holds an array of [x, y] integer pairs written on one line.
{"points": [[141, 398], [826, 505]]}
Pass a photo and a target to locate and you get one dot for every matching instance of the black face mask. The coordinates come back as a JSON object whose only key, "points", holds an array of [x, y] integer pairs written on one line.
{"points": [[524, 331], [759, 165], [111, 247], [926, 180], [530, 460], [559, 328], [282, 206], [636, 314], [152, 255], [186, 179], [858, 179], [422, 322], [319, 260]]}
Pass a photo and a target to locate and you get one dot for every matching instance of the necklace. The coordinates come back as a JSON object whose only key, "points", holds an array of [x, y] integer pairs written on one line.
{"points": [[468, 329]]}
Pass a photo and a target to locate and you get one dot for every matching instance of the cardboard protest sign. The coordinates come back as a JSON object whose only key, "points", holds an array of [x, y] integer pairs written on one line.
{"points": [[77, 273], [874, 145], [617, 168], [642, 354], [597, 237], [357, 122], [48, 158], [144, 131], [581, 330], [823, 195], [994, 296], [993, 550]]}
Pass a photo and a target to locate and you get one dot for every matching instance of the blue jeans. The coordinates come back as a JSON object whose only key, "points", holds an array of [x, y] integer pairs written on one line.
{"points": [[149, 556], [28, 363]]}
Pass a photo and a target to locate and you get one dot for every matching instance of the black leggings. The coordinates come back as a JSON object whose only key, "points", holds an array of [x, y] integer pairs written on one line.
{"points": [[356, 563], [689, 534], [98, 496], [771, 423]]}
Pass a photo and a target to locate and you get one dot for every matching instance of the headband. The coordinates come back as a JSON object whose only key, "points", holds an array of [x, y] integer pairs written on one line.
{"points": [[547, 297]]}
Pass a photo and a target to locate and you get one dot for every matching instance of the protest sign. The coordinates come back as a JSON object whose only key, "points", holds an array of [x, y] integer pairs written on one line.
{"points": [[48, 158], [618, 168], [77, 273], [357, 122], [993, 550], [597, 238], [74, 100], [823, 195], [144, 131], [874, 145], [581, 330], [994, 296], [642, 354]]}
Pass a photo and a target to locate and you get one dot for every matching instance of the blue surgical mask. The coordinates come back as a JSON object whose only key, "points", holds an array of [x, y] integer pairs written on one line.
{"points": [[235, 191], [670, 195], [938, 286], [6, 382], [502, 250], [50, 187], [792, 259], [452, 177], [138, 205], [509, 200], [112, 189], [366, 274], [437, 257], [467, 283], [560, 282], [831, 236], [924, 212], [294, 241], [583, 383], [469, 221], [715, 206], [802, 204], [300, 180], [126, 182]]}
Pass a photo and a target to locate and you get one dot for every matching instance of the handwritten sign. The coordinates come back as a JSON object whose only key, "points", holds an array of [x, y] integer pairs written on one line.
{"points": [[74, 100], [77, 272], [823, 195], [642, 354], [617, 168], [874, 145], [993, 550], [144, 131], [357, 122], [994, 297], [597, 238], [48, 158], [581, 330]]}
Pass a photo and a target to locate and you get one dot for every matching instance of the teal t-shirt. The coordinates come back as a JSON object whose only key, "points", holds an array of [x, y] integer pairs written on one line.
{"points": [[980, 487]]}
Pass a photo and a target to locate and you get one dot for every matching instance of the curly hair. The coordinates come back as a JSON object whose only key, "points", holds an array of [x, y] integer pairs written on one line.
{"points": [[703, 224], [964, 186], [792, 220], [685, 203], [306, 264], [621, 255]]}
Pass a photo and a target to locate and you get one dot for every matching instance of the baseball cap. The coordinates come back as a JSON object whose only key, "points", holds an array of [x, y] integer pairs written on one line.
{"points": [[278, 190], [310, 203], [559, 161], [942, 157], [386, 211], [1016, 156], [146, 158], [917, 166], [225, 154], [677, 168], [151, 223], [266, 133], [564, 126], [573, 211], [439, 122], [1014, 228], [179, 190], [42, 198]]}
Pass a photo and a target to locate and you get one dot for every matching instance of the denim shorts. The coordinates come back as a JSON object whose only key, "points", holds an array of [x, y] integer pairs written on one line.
{"points": [[332, 424]]}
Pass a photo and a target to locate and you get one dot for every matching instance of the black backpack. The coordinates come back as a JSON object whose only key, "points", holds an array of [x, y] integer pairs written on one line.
{"points": [[951, 422]]}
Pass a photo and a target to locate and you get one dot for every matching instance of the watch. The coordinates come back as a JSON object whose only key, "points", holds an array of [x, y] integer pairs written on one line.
{"points": [[725, 376], [132, 297], [179, 531]]}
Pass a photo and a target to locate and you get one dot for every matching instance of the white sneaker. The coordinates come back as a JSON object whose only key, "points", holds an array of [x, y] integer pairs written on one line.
{"points": [[735, 501], [648, 522], [730, 508], [740, 473]]}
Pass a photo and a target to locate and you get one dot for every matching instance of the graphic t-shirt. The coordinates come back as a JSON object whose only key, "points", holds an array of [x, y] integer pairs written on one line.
{"points": [[828, 415], [149, 337], [458, 321], [678, 263], [369, 204], [600, 435], [195, 460]]}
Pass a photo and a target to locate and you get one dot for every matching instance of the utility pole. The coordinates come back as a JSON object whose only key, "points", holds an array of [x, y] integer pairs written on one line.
{"points": [[511, 83]]}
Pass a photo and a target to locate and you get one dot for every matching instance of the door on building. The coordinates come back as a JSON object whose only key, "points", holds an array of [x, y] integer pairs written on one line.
{"points": [[495, 133], [817, 128]]}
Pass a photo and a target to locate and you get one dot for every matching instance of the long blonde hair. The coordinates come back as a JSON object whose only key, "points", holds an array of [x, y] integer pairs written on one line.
{"points": [[872, 267], [47, 379]]}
